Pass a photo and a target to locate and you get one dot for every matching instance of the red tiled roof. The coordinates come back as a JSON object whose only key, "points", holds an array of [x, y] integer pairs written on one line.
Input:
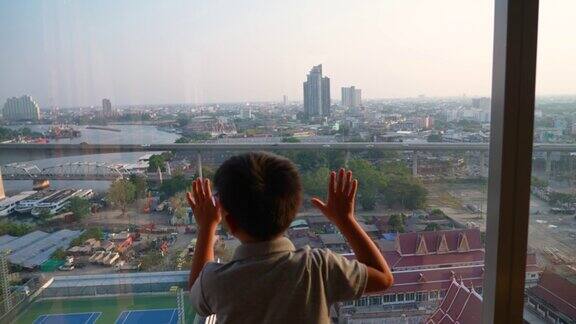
{"points": [[472, 312], [439, 259], [460, 305], [557, 291], [408, 242], [435, 279], [459, 302]]}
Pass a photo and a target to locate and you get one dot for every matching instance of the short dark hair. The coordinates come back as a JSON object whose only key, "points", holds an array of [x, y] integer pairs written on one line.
{"points": [[261, 191]]}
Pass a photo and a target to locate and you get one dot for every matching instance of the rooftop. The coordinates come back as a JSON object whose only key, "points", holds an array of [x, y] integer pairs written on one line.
{"points": [[556, 291], [460, 305], [33, 249], [437, 242], [136, 278]]}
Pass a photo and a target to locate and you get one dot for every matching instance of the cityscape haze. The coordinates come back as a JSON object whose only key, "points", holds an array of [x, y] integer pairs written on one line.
{"points": [[110, 109]]}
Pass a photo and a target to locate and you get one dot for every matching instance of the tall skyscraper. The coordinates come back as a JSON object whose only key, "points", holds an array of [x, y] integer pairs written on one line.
{"points": [[316, 93], [285, 100], [351, 97], [23, 108], [106, 107]]}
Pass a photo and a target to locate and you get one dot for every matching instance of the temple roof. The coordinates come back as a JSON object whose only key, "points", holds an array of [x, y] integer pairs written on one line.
{"points": [[556, 291], [460, 305]]}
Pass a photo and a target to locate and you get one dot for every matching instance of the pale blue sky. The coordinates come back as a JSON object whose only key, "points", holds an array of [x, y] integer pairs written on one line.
{"points": [[77, 52]]}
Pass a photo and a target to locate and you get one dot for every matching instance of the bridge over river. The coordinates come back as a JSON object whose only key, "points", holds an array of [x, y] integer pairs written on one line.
{"points": [[11, 154]]}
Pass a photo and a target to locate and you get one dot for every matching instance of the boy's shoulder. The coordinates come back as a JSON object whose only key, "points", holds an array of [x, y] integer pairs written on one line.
{"points": [[306, 254]]}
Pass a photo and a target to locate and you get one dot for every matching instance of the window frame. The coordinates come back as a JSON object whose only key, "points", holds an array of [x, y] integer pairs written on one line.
{"points": [[510, 161]]}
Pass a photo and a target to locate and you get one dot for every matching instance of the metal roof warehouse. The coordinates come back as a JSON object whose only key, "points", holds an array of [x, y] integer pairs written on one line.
{"points": [[33, 249], [115, 283]]}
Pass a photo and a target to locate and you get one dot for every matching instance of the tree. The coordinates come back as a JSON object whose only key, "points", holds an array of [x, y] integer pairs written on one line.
{"points": [[560, 198], [207, 172], [315, 183], [367, 200], [309, 160], [156, 161], [290, 139], [174, 185], [14, 229], [121, 194], [539, 183], [406, 192], [336, 158], [45, 214], [179, 204], [371, 182], [434, 138], [432, 227], [194, 137], [396, 223], [183, 120], [140, 185], [151, 260], [343, 130], [437, 212], [80, 207]]}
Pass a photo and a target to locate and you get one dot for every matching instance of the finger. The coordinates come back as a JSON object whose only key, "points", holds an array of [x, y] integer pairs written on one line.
{"points": [[331, 184], [318, 204], [202, 188], [347, 183], [197, 190], [354, 188], [190, 199], [340, 180], [208, 190]]}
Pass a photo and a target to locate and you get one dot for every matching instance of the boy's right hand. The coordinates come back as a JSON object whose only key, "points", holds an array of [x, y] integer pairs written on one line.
{"points": [[339, 207], [206, 209]]}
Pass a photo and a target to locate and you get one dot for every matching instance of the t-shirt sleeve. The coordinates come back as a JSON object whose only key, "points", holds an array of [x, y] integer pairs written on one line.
{"points": [[198, 297], [344, 279]]}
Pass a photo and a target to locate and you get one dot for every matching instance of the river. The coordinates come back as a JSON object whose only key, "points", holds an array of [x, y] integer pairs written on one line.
{"points": [[130, 134]]}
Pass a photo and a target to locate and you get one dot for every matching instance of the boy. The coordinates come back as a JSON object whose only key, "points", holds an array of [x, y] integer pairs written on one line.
{"points": [[268, 280]]}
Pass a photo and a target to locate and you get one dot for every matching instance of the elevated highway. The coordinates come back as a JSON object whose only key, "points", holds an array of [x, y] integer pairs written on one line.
{"points": [[10, 153]]}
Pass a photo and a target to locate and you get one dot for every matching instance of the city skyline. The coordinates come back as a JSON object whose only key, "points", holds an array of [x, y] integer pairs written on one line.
{"points": [[72, 54]]}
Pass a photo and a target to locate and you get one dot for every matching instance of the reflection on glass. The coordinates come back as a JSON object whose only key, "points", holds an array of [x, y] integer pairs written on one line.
{"points": [[551, 296], [104, 237]]}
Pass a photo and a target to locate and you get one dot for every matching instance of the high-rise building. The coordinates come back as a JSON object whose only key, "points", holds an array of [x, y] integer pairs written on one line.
{"points": [[481, 103], [285, 100], [351, 97], [107, 107], [23, 108], [316, 93]]}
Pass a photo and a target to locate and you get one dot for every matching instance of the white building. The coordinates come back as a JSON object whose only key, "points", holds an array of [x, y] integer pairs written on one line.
{"points": [[23, 108], [351, 97]]}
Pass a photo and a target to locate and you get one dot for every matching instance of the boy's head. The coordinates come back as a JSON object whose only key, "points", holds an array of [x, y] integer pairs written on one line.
{"points": [[261, 192]]}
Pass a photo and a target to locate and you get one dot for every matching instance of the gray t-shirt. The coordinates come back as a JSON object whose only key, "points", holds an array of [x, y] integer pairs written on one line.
{"points": [[272, 282]]}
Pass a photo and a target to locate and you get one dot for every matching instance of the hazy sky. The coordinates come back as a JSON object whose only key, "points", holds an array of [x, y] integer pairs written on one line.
{"points": [[77, 52]]}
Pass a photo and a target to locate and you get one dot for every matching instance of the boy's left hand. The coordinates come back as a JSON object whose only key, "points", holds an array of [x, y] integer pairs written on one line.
{"points": [[206, 209]]}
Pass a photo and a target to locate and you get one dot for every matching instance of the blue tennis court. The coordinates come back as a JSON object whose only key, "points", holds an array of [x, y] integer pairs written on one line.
{"points": [[76, 318], [149, 316]]}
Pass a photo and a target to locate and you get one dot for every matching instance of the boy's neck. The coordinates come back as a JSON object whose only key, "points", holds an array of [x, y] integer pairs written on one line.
{"points": [[247, 239]]}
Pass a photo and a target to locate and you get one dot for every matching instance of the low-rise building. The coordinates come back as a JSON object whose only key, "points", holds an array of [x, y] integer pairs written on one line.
{"points": [[425, 265], [553, 299]]}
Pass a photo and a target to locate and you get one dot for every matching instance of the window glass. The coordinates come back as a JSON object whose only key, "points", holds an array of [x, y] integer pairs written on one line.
{"points": [[96, 213], [550, 272]]}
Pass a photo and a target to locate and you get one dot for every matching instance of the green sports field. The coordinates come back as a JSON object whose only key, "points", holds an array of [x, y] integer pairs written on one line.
{"points": [[111, 307]]}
